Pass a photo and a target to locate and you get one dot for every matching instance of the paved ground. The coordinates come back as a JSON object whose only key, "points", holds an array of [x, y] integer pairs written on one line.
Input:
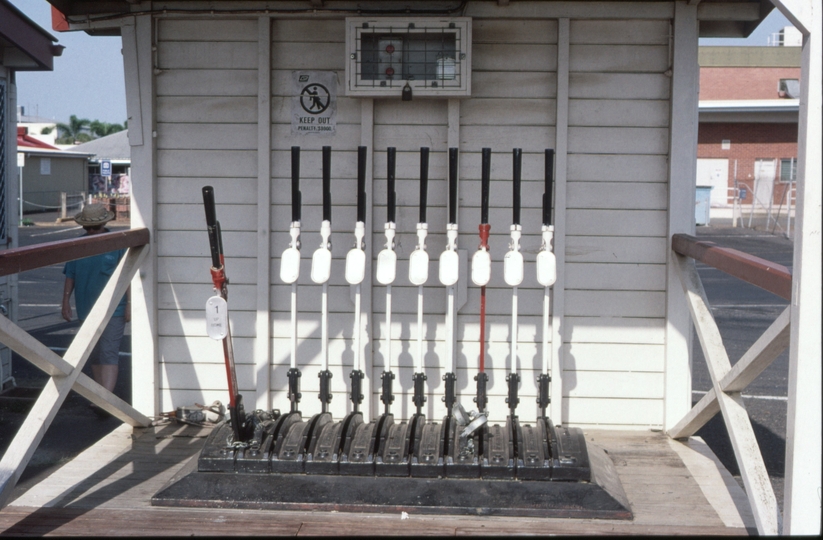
{"points": [[742, 313]]}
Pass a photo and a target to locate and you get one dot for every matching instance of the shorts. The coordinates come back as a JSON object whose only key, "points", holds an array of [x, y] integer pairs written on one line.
{"points": [[107, 350]]}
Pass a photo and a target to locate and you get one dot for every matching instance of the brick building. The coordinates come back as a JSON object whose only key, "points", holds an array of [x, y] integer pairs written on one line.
{"points": [[748, 124]]}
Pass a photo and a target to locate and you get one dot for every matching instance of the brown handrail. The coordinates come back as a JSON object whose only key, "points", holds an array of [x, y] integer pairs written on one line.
{"points": [[17, 260], [772, 277]]}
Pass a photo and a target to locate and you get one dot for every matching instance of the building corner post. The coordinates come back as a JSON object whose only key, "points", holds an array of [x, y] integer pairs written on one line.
{"points": [[685, 74], [802, 502]]}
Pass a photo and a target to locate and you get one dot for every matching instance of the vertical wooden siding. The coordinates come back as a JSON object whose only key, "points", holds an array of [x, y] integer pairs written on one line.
{"points": [[313, 45], [613, 325], [616, 209], [206, 92], [513, 102]]}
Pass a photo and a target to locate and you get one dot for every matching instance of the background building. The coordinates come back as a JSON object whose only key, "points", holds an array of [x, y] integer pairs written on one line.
{"points": [[749, 102], [116, 150], [36, 126], [47, 172]]}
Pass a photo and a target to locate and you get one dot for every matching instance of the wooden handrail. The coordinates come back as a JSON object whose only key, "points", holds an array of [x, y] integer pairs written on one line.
{"points": [[769, 276], [17, 260]]}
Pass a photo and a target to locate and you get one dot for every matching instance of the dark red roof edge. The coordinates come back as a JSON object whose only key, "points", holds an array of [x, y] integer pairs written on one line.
{"points": [[24, 140]]}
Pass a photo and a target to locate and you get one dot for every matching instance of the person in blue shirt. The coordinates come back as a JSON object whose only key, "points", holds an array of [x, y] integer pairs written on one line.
{"points": [[86, 278]]}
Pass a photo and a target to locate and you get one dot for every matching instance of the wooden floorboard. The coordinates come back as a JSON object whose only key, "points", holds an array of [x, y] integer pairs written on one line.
{"points": [[107, 490]]}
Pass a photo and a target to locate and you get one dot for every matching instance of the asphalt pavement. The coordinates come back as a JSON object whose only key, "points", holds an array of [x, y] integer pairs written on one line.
{"points": [[742, 312]]}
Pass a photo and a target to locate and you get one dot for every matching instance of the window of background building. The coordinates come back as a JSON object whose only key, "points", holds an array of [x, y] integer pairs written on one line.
{"points": [[788, 169]]}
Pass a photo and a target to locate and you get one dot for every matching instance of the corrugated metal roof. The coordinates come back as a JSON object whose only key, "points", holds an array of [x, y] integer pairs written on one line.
{"points": [[114, 147]]}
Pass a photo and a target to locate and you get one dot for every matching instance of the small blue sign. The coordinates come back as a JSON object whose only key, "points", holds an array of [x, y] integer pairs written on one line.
{"points": [[743, 193], [105, 168]]}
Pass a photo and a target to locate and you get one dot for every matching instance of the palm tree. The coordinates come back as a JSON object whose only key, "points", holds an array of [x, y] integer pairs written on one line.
{"points": [[101, 129], [73, 132]]}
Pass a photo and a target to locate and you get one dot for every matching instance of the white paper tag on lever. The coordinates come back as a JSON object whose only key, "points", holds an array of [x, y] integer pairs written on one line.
{"points": [[217, 319], [355, 266], [386, 266], [546, 268], [418, 267], [449, 267], [290, 265], [321, 266], [481, 267], [513, 268]]}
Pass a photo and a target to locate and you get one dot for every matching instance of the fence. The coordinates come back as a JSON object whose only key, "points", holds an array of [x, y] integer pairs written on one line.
{"points": [[49, 201], [70, 203]]}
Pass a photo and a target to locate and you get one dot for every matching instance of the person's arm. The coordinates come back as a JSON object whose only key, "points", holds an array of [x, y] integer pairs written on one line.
{"points": [[68, 287]]}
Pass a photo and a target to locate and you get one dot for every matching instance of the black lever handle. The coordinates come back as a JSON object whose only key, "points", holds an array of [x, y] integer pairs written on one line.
{"points": [[362, 153], [208, 203], [424, 182], [452, 185], [517, 155], [484, 185], [218, 231], [327, 183], [295, 183], [391, 156], [547, 193], [211, 225]]}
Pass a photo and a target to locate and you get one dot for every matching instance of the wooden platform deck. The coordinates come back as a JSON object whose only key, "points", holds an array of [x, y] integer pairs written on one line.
{"points": [[673, 487]]}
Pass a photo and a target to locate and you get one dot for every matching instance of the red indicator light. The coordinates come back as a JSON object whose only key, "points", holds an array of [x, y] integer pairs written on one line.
{"points": [[389, 48], [389, 71]]}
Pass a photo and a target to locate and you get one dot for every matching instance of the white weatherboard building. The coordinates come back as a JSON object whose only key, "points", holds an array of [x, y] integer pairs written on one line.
{"points": [[611, 86], [597, 91]]}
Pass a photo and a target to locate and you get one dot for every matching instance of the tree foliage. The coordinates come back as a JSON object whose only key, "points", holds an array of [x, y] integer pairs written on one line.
{"points": [[80, 130], [101, 129]]}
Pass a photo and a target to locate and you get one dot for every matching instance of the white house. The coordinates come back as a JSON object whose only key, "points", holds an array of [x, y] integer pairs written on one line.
{"points": [[211, 103]]}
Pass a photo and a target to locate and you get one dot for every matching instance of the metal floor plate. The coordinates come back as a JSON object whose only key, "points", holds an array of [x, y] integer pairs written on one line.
{"points": [[602, 498]]}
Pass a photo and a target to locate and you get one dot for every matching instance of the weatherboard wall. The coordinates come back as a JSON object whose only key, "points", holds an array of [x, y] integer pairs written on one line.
{"points": [[597, 90]]}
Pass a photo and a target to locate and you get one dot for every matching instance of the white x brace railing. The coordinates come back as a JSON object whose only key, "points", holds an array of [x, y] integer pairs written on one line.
{"points": [[65, 373], [728, 382]]}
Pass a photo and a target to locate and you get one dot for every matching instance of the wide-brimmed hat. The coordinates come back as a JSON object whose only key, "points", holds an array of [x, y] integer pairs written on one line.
{"points": [[93, 215]]}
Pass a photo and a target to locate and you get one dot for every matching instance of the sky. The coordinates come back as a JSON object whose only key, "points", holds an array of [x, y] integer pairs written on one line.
{"points": [[88, 82]]}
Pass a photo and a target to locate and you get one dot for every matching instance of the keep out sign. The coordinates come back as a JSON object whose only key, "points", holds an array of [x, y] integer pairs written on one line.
{"points": [[314, 102]]}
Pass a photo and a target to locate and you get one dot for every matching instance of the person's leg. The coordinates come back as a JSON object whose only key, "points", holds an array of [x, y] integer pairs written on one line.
{"points": [[106, 367], [105, 375]]}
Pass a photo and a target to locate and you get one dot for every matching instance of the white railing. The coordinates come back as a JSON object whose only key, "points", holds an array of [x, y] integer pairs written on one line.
{"points": [[66, 372], [729, 381]]}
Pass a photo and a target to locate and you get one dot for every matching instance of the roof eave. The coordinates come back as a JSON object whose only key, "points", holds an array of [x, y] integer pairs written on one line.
{"points": [[32, 151], [749, 105], [717, 18], [35, 46]]}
